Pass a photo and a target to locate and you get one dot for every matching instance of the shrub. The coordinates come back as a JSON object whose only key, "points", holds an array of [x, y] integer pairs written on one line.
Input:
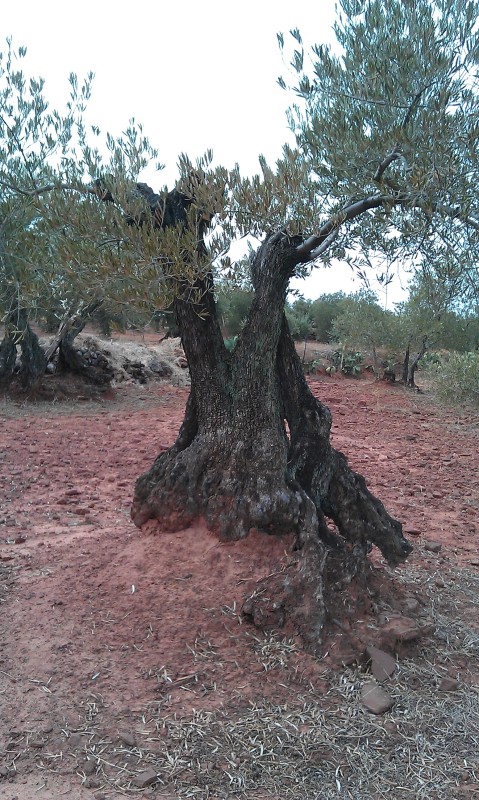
{"points": [[457, 378], [233, 306], [348, 362], [299, 323]]}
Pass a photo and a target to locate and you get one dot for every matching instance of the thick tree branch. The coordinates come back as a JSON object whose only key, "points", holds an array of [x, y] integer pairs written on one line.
{"points": [[325, 244], [313, 243], [394, 155], [318, 243]]}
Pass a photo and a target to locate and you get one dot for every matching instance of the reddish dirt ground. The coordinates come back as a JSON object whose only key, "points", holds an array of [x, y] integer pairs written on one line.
{"points": [[101, 622]]}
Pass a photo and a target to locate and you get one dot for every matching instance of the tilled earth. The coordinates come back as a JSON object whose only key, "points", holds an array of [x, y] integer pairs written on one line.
{"points": [[110, 637]]}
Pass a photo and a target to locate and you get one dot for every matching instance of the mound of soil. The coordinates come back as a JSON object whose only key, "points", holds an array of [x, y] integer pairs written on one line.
{"points": [[108, 363]]}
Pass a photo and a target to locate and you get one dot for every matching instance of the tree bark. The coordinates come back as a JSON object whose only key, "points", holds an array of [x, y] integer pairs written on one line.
{"points": [[32, 356], [33, 361], [17, 331], [8, 357], [69, 357], [254, 452], [405, 365], [413, 364]]}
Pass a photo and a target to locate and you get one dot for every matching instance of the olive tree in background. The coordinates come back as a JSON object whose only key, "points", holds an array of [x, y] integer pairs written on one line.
{"points": [[61, 250]]}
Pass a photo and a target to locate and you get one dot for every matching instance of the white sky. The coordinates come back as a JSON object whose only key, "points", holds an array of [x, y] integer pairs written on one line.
{"points": [[197, 75]]}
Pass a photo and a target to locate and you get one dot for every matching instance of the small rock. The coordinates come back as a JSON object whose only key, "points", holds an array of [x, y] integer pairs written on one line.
{"points": [[127, 738], [146, 778], [92, 783], [89, 767], [410, 604], [411, 530], [3, 772], [375, 698], [383, 665], [344, 654], [440, 583], [391, 727], [433, 547], [403, 629], [36, 744], [448, 685], [75, 740]]}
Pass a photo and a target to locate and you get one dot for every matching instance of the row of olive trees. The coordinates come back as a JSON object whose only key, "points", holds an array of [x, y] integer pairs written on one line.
{"points": [[358, 322]]}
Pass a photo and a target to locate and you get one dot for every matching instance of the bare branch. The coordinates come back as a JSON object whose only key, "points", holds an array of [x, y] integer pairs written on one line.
{"points": [[394, 155], [49, 187]]}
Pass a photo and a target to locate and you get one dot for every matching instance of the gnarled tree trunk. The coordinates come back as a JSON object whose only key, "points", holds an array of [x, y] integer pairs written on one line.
{"points": [[32, 356], [69, 358], [254, 452], [8, 357], [413, 364], [17, 332]]}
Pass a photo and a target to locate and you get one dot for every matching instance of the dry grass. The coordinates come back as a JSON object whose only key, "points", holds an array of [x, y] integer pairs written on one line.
{"points": [[314, 746]]}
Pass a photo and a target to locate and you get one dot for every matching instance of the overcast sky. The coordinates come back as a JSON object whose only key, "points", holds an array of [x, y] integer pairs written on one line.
{"points": [[197, 75]]}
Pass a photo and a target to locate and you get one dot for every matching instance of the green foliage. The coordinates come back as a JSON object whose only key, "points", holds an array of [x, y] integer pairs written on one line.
{"points": [[62, 246], [233, 306], [362, 322], [311, 367], [348, 361], [324, 310], [385, 171], [230, 343], [299, 321], [456, 378], [68, 198], [390, 114], [459, 332]]}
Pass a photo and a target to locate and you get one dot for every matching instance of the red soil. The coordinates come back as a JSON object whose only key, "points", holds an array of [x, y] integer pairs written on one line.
{"points": [[100, 621]]}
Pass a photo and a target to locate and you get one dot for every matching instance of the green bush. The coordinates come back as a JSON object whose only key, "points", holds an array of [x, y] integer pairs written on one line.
{"points": [[324, 311], [349, 362], [457, 378], [233, 307], [299, 323]]}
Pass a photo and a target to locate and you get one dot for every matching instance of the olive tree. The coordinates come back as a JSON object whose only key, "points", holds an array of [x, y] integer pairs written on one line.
{"points": [[61, 250], [362, 323], [386, 127], [385, 161]]}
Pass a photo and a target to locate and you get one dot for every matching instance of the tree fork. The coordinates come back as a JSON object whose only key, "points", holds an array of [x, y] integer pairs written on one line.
{"points": [[234, 464]]}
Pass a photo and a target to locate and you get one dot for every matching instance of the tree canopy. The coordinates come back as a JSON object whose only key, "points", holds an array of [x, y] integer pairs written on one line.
{"points": [[385, 167], [388, 121]]}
